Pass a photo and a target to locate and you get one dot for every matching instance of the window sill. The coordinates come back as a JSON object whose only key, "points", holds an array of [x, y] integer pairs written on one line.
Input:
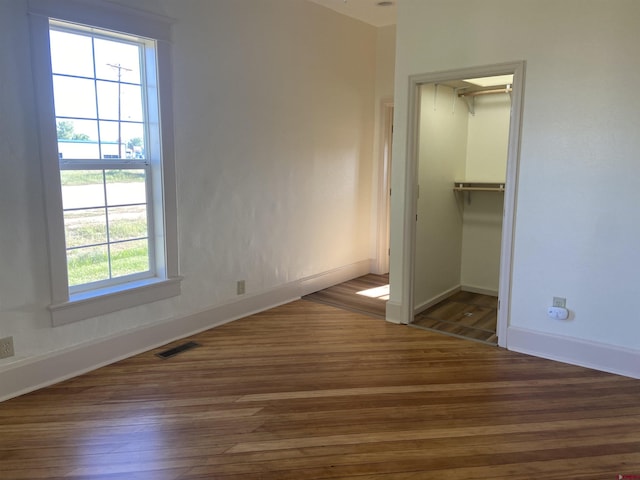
{"points": [[100, 302]]}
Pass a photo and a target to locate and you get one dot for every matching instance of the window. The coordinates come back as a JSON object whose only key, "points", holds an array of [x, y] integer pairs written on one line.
{"points": [[101, 121], [107, 155]]}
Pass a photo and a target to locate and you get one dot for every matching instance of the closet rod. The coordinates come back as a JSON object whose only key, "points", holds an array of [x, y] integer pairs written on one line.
{"points": [[506, 89]]}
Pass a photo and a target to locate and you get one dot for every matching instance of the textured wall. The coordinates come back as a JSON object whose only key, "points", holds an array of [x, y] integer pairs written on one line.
{"points": [[274, 108]]}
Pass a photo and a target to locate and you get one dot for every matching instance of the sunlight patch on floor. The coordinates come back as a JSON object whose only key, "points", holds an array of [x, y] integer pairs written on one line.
{"points": [[381, 293]]}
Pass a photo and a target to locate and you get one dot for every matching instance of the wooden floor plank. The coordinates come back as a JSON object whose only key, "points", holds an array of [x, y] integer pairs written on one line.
{"points": [[465, 315], [361, 295], [309, 391]]}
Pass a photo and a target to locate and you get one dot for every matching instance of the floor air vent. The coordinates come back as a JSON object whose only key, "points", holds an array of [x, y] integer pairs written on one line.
{"points": [[172, 352]]}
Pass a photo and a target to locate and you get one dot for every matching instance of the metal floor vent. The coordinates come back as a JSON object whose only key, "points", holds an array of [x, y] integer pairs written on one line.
{"points": [[176, 350]]}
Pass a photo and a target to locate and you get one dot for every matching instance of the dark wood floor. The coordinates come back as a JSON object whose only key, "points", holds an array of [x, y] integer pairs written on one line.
{"points": [[465, 314], [308, 391]]}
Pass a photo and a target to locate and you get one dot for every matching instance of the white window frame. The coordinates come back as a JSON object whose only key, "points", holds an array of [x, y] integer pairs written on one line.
{"points": [[69, 307]]}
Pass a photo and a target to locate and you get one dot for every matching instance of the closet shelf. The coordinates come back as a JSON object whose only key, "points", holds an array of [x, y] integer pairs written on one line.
{"points": [[478, 187]]}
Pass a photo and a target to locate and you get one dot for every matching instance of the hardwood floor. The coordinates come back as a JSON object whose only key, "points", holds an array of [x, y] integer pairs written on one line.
{"points": [[367, 295], [308, 391], [467, 315]]}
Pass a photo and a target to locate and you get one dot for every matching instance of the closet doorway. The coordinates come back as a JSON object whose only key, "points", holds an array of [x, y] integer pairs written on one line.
{"points": [[466, 161]]}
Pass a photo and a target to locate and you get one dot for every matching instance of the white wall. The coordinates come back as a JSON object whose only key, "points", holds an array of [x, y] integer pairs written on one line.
{"points": [[488, 138], [385, 61], [385, 70], [487, 141], [577, 198], [274, 108], [481, 240], [441, 157]]}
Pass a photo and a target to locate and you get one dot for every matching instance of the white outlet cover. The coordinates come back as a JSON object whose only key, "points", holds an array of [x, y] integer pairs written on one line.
{"points": [[558, 313]]}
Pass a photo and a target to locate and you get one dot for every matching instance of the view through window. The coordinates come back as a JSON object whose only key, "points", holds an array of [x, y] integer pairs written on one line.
{"points": [[101, 105]]}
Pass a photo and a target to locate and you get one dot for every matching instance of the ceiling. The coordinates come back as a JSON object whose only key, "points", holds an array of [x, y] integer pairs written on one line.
{"points": [[367, 11]]}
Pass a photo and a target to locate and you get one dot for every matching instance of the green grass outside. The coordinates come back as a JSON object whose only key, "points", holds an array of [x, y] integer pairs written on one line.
{"points": [[87, 227], [91, 232], [92, 177], [92, 264]]}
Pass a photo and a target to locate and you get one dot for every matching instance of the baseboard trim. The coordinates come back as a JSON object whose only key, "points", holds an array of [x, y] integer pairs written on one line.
{"points": [[437, 299], [583, 353], [34, 373], [333, 277], [479, 290]]}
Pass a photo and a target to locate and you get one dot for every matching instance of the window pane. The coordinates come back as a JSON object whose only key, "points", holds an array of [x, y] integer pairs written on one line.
{"points": [[132, 135], [86, 265], [127, 223], [76, 149], [107, 100], [131, 103], [129, 257], [71, 54], [119, 101], [77, 139], [82, 188], [74, 97], [76, 129], [126, 187], [115, 59], [133, 139], [85, 227], [108, 131]]}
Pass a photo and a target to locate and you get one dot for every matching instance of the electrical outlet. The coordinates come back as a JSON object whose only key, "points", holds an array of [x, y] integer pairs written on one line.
{"points": [[560, 302], [240, 287], [6, 347]]}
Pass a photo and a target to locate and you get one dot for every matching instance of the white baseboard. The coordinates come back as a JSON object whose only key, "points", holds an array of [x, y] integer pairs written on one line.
{"points": [[35, 373], [480, 290], [598, 356], [327, 279], [437, 299]]}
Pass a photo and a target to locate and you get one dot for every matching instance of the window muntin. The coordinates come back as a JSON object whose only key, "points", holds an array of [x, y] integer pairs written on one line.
{"points": [[101, 104]]}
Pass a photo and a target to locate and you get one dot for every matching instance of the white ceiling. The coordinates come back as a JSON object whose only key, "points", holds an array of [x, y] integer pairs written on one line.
{"points": [[367, 11]]}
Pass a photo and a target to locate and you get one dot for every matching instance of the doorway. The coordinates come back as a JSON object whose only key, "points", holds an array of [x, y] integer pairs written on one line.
{"points": [[463, 199], [383, 207]]}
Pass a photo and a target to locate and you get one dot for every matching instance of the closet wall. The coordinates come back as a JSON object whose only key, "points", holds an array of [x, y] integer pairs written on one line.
{"points": [[487, 142], [442, 154], [457, 241]]}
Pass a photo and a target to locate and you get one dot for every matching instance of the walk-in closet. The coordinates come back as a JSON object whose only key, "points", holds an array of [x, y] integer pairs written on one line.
{"points": [[462, 161]]}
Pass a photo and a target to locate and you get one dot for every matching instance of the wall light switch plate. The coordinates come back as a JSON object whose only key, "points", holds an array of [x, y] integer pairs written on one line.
{"points": [[6, 347]]}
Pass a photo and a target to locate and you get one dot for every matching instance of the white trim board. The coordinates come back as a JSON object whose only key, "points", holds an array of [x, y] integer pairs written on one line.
{"points": [[34, 373], [583, 353], [479, 290], [435, 300]]}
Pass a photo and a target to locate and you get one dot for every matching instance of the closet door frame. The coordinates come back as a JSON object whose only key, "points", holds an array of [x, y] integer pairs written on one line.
{"points": [[411, 187]]}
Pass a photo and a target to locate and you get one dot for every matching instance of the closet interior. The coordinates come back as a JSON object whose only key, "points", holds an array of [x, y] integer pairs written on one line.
{"points": [[462, 159]]}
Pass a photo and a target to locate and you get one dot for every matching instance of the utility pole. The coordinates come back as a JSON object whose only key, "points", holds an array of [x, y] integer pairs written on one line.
{"points": [[120, 68]]}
